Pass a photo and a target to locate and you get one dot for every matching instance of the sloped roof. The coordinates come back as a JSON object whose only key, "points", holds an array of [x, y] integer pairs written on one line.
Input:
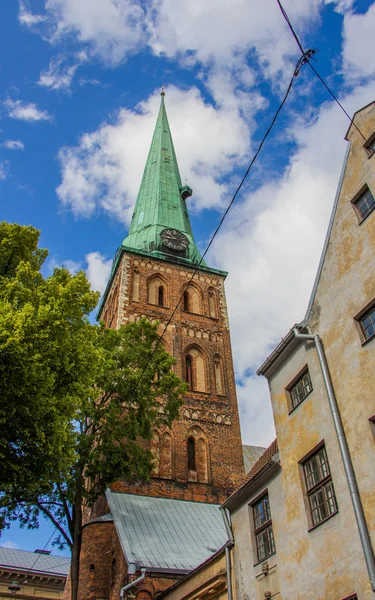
{"points": [[250, 456], [265, 460], [34, 562], [163, 534]]}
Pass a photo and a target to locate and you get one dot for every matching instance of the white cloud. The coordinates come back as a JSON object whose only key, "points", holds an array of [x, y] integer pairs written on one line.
{"points": [[72, 265], [4, 165], [25, 111], [271, 245], [9, 544], [98, 270], [13, 144], [61, 70], [104, 171], [358, 54], [29, 19]]}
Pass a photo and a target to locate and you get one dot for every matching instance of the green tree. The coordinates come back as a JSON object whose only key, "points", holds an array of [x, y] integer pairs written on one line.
{"points": [[115, 387]]}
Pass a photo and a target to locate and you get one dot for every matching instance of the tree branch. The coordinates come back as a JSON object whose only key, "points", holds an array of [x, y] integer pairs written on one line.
{"points": [[50, 516], [66, 509]]}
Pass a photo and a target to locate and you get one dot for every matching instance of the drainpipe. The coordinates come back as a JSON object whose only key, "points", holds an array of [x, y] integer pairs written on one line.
{"points": [[132, 584], [228, 527], [346, 459]]}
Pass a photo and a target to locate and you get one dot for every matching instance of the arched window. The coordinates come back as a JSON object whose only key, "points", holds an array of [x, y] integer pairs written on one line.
{"points": [[189, 371], [195, 370], [135, 287], [212, 303], [219, 376], [192, 300], [165, 468], [161, 295], [191, 454], [155, 451], [157, 291]]}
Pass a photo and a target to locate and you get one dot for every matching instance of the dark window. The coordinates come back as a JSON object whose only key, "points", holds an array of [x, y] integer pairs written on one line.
{"points": [[299, 389], [365, 204], [367, 322], [319, 486], [370, 145], [161, 295], [263, 528], [186, 301], [191, 454], [189, 371]]}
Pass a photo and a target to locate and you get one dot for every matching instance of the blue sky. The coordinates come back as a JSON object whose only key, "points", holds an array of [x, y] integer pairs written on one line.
{"points": [[80, 85]]}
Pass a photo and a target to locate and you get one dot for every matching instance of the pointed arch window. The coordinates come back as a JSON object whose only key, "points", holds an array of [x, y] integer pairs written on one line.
{"points": [[192, 300], [219, 376], [161, 295], [186, 301], [191, 454], [195, 370], [212, 303], [189, 371]]}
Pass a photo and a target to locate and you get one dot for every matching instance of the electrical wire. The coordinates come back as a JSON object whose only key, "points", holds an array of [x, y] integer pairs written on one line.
{"points": [[39, 555], [301, 61], [308, 55]]}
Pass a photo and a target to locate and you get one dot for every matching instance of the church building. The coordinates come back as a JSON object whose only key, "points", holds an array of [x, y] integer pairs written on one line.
{"points": [[157, 532]]}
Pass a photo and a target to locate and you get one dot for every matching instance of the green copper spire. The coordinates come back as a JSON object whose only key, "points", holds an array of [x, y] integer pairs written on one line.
{"points": [[161, 202]]}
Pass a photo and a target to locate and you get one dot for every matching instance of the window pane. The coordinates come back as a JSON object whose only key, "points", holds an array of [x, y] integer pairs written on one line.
{"points": [[265, 543], [262, 512], [300, 389], [365, 204], [368, 323]]}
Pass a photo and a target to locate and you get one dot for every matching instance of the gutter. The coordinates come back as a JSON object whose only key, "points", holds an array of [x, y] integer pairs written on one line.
{"points": [[228, 546], [363, 531], [132, 583]]}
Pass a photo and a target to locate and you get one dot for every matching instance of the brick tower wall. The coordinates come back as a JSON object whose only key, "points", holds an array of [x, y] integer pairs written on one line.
{"points": [[210, 417]]}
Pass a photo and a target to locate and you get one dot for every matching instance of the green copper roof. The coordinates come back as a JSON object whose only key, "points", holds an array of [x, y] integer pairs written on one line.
{"points": [[161, 200]]}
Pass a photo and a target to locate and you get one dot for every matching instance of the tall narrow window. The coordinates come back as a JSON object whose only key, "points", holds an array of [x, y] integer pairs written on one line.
{"points": [[135, 291], [263, 528], [186, 301], [212, 304], [161, 295], [319, 487], [191, 454], [189, 371], [218, 376]]}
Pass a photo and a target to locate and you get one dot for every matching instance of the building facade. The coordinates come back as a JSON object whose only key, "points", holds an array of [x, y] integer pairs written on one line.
{"points": [[158, 273], [304, 523]]}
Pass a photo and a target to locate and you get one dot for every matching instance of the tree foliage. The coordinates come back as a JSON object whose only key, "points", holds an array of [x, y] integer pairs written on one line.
{"points": [[79, 401]]}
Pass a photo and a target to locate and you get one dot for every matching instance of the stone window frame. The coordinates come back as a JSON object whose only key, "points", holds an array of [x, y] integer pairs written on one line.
{"points": [[365, 188], [369, 145], [292, 384], [185, 299], [358, 321], [323, 486], [266, 526]]}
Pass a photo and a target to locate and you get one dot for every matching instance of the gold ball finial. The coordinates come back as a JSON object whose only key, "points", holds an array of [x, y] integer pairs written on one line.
{"points": [[162, 93]]}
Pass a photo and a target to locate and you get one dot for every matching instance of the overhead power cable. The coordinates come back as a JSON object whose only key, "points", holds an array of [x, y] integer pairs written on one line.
{"points": [[39, 554], [308, 54], [301, 61]]}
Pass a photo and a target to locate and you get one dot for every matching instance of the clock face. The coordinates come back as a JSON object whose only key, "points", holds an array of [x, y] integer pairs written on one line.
{"points": [[174, 239]]}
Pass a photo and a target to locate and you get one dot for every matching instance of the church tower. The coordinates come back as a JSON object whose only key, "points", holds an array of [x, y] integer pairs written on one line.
{"points": [[201, 457], [171, 524]]}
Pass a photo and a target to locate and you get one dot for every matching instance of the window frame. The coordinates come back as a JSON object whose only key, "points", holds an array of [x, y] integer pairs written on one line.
{"points": [[368, 145], [264, 527], [319, 486], [292, 384], [370, 307], [365, 188]]}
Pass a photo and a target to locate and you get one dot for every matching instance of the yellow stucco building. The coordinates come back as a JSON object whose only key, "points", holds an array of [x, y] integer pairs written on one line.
{"points": [[304, 523]]}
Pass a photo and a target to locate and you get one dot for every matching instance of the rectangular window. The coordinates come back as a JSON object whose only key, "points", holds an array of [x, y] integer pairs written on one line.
{"points": [[299, 388], [367, 322], [364, 204], [319, 486], [370, 145], [263, 532]]}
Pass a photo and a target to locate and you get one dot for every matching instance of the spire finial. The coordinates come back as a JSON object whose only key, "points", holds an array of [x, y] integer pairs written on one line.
{"points": [[162, 93]]}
